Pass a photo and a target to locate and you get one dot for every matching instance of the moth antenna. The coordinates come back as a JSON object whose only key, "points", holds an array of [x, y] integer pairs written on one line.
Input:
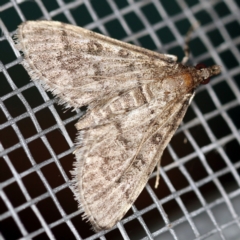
{"points": [[187, 39]]}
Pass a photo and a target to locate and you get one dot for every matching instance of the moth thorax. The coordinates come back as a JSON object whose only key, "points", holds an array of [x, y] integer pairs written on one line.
{"points": [[186, 79], [180, 82]]}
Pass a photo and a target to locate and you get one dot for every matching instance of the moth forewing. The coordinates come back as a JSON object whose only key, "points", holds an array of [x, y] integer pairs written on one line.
{"points": [[111, 180], [69, 59], [136, 98]]}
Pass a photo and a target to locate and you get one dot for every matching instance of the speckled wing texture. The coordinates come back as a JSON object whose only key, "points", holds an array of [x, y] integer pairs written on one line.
{"points": [[136, 100], [83, 67]]}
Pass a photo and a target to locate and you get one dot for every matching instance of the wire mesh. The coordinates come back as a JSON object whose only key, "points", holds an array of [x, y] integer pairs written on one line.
{"points": [[199, 192]]}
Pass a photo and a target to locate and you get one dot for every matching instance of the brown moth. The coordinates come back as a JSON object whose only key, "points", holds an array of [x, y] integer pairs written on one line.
{"points": [[136, 100]]}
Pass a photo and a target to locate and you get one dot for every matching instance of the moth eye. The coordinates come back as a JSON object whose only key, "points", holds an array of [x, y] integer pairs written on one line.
{"points": [[201, 66]]}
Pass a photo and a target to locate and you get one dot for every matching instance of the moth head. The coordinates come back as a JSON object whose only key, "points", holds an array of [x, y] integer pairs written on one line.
{"points": [[207, 72]]}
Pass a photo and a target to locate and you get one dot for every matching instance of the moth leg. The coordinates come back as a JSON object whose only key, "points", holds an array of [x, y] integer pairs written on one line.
{"points": [[187, 39], [158, 175]]}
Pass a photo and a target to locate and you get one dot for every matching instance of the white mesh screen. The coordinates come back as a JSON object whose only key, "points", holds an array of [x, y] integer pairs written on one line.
{"points": [[199, 192]]}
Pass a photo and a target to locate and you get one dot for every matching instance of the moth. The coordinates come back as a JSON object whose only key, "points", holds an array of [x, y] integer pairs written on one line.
{"points": [[136, 100]]}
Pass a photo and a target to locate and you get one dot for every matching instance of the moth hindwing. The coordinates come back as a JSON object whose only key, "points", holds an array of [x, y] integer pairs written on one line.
{"points": [[136, 100]]}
